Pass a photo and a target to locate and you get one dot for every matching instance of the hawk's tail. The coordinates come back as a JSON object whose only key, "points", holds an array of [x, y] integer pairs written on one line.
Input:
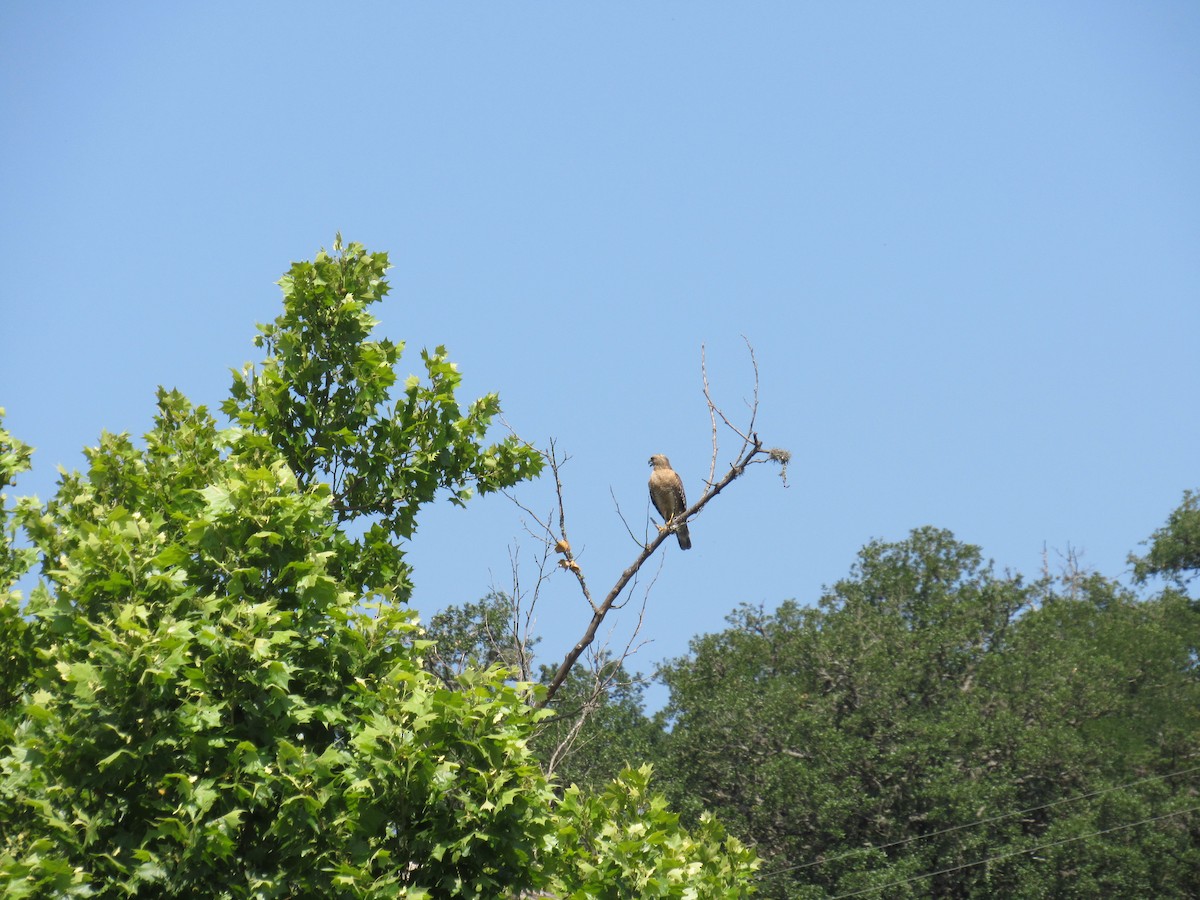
{"points": [[685, 539]]}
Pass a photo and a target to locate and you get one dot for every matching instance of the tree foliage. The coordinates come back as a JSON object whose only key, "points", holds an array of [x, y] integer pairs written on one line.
{"points": [[626, 843], [16, 653], [1174, 548], [852, 742], [214, 689], [322, 398]]}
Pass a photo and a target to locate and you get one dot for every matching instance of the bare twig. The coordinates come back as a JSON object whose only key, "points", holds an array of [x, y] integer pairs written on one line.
{"points": [[568, 562], [633, 537], [520, 631], [712, 416]]}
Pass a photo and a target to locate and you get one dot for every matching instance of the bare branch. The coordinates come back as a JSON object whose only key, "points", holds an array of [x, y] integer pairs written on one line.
{"points": [[752, 450], [715, 411], [606, 669], [754, 405], [568, 562], [520, 631], [554, 536]]}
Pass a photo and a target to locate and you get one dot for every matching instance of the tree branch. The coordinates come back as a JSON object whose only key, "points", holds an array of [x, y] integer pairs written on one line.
{"points": [[752, 451]]}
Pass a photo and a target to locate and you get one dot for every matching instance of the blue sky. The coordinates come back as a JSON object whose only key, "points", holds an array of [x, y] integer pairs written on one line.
{"points": [[963, 239]]}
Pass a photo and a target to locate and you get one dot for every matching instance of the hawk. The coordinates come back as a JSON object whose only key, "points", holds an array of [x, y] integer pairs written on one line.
{"points": [[666, 491]]}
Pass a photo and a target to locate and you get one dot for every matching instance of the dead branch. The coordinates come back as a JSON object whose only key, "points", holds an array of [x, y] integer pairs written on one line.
{"points": [[519, 632], [751, 452], [605, 671], [751, 455]]}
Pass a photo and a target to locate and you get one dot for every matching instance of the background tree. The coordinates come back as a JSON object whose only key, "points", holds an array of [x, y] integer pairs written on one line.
{"points": [[475, 636], [215, 689], [929, 715], [1174, 548]]}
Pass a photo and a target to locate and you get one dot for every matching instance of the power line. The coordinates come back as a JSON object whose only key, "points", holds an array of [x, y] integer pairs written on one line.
{"points": [[988, 820], [979, 862]]}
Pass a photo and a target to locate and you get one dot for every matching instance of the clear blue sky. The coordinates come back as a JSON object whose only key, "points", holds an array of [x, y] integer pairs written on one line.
{"points": [[964, 240]]}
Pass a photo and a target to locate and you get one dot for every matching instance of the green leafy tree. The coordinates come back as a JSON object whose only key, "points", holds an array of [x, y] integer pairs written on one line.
{"points": [[851, 743], [1174, 548], [213, 713], [625, 842], [16, 653], [214, 690], [322, 398]]}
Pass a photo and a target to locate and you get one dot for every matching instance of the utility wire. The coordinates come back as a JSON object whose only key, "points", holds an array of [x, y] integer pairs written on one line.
{"points": [[979, 862], [1008, 815]]}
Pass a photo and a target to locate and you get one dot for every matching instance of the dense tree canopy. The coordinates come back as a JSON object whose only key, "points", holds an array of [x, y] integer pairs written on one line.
{"points": [[214, 689], [929, 715]]}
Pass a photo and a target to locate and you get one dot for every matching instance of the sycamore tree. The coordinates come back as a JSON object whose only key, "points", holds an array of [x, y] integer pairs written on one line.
{"points": [[215, 688]]}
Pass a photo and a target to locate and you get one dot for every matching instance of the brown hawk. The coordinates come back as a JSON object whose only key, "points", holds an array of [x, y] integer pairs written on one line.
{"points": [[666, 491]]}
